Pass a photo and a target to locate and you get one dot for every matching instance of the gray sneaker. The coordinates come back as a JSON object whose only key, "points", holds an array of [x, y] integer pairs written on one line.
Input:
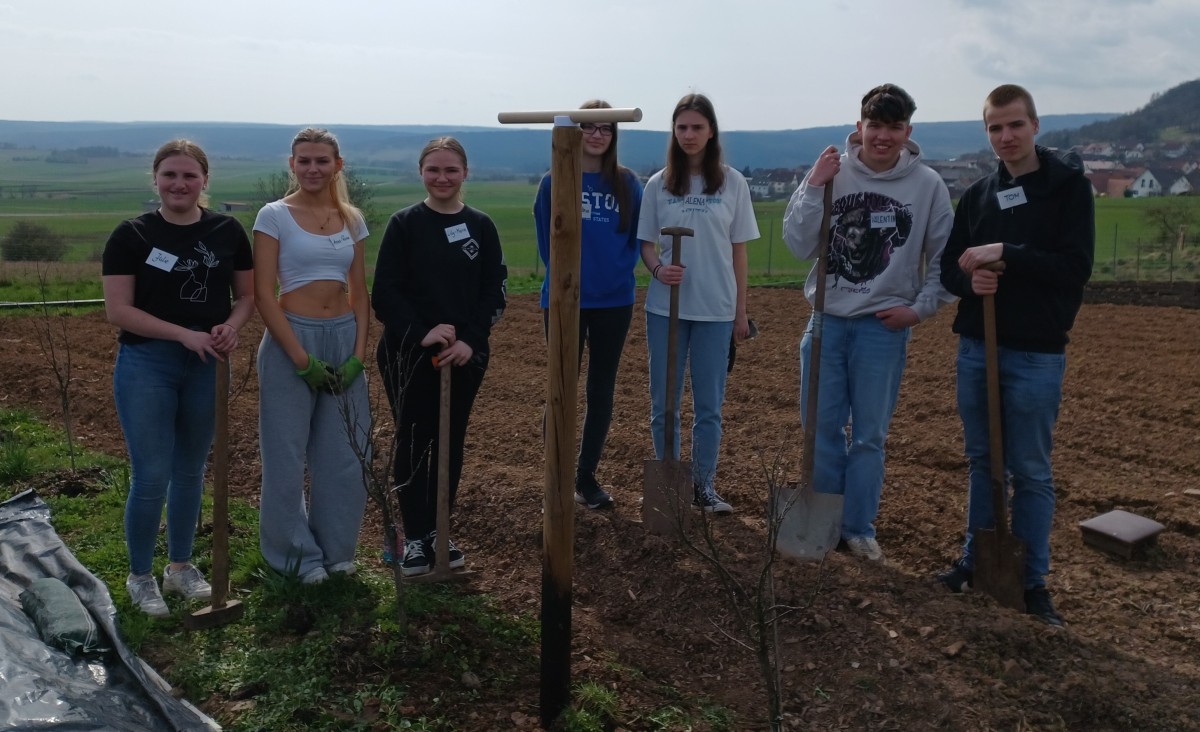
{"points": [[143, 591], [187, 582], [707, 500], [865, 547]]}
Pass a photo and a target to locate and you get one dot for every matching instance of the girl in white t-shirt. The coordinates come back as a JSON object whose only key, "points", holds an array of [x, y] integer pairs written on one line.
{"points": [[698, 191], [312, 401]]}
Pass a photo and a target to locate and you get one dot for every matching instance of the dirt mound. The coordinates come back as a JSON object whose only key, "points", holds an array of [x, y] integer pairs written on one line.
{"points": [[871, 647]]}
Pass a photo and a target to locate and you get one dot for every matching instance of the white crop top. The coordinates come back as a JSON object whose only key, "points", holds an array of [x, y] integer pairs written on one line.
{"points": [[305, 257]]}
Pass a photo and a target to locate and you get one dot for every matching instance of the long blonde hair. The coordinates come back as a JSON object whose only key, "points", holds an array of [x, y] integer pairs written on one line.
{"points": [[338, 191]]}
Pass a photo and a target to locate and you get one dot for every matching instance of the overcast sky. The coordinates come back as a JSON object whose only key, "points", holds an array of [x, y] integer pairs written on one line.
{"points": [[773, 64]]}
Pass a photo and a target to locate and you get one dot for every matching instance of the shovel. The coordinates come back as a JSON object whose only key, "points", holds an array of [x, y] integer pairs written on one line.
{"points": [[667, 483], [810, 523], [219, 612], [441, 571], [999, 556]]}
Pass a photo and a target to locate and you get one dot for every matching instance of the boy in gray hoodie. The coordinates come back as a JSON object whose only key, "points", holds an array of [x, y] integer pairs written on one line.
{"points": [[890, 219]]}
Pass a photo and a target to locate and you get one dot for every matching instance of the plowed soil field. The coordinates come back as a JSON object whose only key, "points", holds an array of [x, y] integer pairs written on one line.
{"points": [[872, 646]]}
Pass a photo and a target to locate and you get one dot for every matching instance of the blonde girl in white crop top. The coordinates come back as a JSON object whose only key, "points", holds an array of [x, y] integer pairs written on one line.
{"points": [[313, 404], [322, 270]]}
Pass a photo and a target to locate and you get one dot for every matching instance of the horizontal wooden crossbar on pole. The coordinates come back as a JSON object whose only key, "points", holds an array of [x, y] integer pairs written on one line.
{"points": [[630, 114]]}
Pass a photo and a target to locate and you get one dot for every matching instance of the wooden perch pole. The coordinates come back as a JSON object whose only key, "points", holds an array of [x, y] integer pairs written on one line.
{"points": [[558, 530], [558, 523]]}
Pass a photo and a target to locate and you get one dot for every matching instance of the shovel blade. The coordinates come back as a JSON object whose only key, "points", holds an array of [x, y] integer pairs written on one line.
{"points": [[214, 617], [1000, 567], [811, 523], [666, 496]]}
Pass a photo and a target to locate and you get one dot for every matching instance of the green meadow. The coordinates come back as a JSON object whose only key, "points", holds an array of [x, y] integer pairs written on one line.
{"points": [[85, 201]]}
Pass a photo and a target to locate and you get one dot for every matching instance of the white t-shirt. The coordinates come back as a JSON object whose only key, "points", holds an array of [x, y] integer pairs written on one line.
{"points": [[709, 289], [305, 257]]}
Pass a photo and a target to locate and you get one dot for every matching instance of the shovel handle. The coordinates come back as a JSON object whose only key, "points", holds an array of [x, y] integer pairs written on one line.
{"points": [[441, 549], [995, 422], [814, 358], [220, 536], [676, 233]]}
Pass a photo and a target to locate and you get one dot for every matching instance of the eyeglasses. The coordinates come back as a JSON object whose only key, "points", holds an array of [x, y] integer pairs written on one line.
{"points": [[589, 129]]}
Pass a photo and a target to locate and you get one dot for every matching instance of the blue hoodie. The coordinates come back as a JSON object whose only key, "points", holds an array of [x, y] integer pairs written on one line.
{"points": [[607, 256]]}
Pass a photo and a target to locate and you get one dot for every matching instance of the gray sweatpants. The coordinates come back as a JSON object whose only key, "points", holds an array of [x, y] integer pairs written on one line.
{"points": [[297, 427]]}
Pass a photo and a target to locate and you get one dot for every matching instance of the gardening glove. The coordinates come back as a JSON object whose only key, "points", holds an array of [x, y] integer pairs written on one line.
{"points": [[319, 375], [348, 372]]}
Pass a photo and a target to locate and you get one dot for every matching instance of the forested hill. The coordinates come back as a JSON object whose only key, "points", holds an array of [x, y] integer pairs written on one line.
{"points": [[1173, 115], [492, 150]]}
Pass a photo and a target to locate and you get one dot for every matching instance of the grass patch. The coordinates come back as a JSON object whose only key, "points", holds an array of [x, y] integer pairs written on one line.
{"points": [[329, 656]]}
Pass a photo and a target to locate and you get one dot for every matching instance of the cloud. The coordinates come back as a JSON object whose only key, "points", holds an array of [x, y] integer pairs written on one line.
{"points": [[1079, 45]]}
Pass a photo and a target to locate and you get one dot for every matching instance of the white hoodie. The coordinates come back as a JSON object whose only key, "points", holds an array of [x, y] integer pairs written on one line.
{"points": [[888, 228]]}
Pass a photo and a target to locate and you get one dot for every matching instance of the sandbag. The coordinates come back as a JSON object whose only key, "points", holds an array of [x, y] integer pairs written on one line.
{"points": [[61, 619]]}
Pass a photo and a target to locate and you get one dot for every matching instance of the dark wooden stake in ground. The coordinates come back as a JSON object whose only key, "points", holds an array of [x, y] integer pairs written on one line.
{"points": [[558, 523]]}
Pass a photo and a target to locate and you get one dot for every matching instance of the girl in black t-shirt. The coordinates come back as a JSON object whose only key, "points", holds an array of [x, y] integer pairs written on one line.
{"points": [[168, 278]]}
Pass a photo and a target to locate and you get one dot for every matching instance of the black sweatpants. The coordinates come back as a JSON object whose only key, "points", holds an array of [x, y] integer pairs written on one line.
{"points": [[603, 331], [413, 388]]}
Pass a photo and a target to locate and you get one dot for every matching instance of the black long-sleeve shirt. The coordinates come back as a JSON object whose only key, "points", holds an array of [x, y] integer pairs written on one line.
{"points": [[440, 268], [1049, 239]]}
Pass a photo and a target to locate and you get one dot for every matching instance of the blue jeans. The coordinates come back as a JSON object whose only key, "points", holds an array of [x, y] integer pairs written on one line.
{"points": [[704, 346], [165, 402], [1030, 394], [861, 365]]}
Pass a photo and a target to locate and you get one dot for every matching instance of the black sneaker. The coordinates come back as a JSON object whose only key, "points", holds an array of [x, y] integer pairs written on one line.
{"points": [[589, 493], [958, 578], [456, 557], [416, 558], [707, 500], [1037, 603]]}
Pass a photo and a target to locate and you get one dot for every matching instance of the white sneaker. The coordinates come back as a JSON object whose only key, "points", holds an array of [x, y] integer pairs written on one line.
{"points": [[865, 547], [143, 590], [187, 582], [314, 576], [346, 568]]}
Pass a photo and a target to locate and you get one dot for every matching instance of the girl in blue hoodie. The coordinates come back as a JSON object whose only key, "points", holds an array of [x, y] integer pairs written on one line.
{"points": [[612, 198]]}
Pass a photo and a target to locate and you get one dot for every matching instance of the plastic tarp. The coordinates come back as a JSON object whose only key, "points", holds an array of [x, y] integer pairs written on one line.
{"points": [[42, 687]]}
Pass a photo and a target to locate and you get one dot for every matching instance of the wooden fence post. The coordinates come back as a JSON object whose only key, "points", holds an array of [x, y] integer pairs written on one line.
{"points": [[558, 522]]}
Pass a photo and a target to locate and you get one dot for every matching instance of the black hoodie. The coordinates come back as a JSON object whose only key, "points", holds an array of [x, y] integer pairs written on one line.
{"points": [[1049, 244]]}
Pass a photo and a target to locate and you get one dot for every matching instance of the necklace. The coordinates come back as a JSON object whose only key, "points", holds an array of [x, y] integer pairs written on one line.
{"points": [[328, 216]]}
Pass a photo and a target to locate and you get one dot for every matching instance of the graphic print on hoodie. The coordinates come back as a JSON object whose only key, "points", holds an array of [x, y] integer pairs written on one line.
{"points": [[868, 227]]}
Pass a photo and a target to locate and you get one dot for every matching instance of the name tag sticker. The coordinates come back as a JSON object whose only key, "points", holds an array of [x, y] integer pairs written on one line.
{"points": [[883, 219], [161, 260], [1011, 197], [342, 240], [457, 233]]}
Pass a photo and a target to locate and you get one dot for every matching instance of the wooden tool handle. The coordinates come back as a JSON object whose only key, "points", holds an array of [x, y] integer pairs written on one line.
{"points": [[995, 423], [442, 545], [220, 536], [814, 357], [676, 233]]}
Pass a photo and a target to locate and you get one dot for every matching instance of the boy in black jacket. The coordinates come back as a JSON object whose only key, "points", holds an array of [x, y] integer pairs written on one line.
{"points": [[1035, 214]]}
